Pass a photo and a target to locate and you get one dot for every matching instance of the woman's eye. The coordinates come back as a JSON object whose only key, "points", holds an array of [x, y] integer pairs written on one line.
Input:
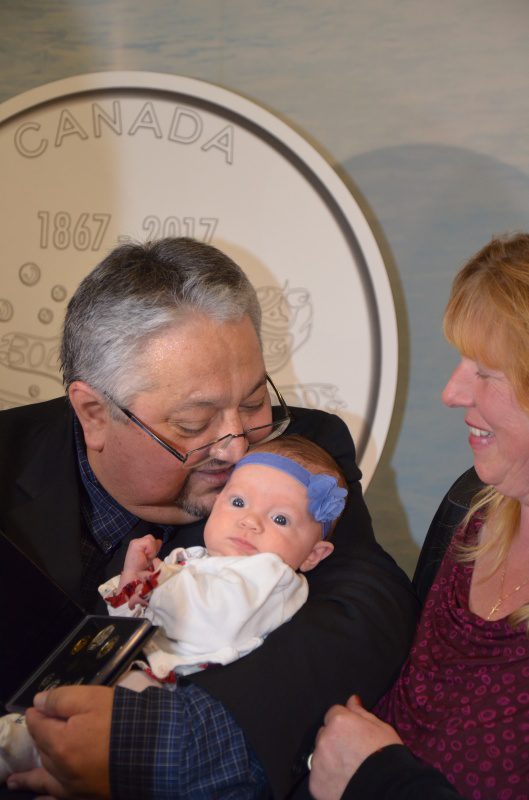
{"points": [[238, 502], [280, 519]]}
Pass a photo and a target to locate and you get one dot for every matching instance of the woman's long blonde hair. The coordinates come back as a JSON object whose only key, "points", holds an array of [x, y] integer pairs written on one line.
{"points": [[487, 320]]}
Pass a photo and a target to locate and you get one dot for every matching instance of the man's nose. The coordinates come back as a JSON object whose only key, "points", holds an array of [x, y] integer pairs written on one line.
{"points": [[231, 448], [459, 390]]}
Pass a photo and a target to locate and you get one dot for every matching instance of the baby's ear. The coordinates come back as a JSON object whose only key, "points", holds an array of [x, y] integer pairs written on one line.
{"points": [[320, 551]]}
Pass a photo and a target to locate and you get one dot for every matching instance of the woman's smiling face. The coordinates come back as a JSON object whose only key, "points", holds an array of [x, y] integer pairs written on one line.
{"points": [[499, 427]]}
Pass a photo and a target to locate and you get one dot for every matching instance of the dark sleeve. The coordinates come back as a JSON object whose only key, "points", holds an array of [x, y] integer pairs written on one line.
{"points": [[394, 774], [350, 637], [450, 513]]}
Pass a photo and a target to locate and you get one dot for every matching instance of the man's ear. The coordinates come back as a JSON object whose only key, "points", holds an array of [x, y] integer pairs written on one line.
{"points": [[321, 550], [92, 412]]}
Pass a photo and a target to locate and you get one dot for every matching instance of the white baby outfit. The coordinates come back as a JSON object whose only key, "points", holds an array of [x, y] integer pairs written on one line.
{"points": [[213, 609], [17, 751]]}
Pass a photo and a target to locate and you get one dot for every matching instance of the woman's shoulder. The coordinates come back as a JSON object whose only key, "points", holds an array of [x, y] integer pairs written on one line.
{"points": [[445, 522]]}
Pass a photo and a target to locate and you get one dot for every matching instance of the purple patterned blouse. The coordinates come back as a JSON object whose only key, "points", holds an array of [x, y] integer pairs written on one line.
{"points": [[461, 702]]}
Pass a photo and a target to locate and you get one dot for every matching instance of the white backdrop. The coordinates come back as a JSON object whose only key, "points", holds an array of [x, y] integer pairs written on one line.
{"points": [[98, 159], [422, 107]]}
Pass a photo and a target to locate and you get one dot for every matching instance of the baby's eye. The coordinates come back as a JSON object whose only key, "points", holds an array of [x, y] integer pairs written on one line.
{"points": [[238, 502], [280, 519]]}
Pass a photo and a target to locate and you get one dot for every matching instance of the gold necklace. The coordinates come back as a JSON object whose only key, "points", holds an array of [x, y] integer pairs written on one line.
{"points": [[502, 596]]}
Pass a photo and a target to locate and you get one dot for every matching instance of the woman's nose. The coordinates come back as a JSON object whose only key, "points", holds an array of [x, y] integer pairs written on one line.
{"points": [[459, 391]]}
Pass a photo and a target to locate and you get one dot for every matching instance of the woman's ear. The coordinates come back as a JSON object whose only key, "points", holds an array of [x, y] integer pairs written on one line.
{"points": [[321, 550], [92, 412]]}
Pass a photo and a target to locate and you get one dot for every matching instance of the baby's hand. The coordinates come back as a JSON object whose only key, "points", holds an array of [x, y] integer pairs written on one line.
{"points": [[140, 559]]}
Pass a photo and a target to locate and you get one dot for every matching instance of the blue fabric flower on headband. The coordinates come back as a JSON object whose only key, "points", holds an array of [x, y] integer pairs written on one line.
{"points": [[326, 498]]}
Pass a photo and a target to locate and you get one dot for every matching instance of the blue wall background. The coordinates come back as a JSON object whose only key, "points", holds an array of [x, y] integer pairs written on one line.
{"points": [[423, 107]]}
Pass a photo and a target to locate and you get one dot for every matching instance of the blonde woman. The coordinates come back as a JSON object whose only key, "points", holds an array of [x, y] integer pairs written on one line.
{"points": [[456, 722]]}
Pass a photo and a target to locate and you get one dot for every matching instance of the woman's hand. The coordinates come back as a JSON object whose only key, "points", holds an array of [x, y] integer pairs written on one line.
{"points": [[348, 736]]}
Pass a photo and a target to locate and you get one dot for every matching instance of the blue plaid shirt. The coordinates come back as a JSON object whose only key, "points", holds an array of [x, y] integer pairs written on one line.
{"points": [[107, 521], [180, 744], [166, 744]]}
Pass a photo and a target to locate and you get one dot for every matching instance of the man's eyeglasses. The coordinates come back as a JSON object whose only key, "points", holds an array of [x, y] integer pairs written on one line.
{"points": [[254, 436]]}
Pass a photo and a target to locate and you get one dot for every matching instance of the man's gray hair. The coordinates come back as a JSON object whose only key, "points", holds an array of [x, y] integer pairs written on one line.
{"points": [[136, 292]]}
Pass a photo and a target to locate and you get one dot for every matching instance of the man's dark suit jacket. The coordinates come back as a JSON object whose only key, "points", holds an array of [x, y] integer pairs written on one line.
{"points": [[393, 771], [351, 636]]}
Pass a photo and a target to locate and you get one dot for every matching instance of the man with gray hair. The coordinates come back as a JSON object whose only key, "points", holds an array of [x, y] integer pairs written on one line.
{"points": [[166, 390]]}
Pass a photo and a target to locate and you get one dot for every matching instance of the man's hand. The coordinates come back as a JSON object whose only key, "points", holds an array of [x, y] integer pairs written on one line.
{"points": [[71, 728], [348, 736]]}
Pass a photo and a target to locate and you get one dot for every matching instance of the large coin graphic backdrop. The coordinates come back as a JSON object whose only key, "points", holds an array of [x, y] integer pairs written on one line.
{"points": [[97, 159]]}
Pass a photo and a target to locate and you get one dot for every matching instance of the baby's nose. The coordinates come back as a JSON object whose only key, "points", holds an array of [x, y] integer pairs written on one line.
{"points": [[252, 521]]}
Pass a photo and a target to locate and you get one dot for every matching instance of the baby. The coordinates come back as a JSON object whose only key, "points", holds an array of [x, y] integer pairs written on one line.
{"points": [[216, 603]]}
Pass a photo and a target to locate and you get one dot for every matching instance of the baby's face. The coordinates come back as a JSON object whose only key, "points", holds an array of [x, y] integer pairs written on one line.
{"points": [[262, 510]]}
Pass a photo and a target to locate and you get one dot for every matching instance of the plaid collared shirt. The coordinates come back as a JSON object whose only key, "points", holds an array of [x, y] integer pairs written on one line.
{"points": [[163, 744], [179, 744], [106, 520]]}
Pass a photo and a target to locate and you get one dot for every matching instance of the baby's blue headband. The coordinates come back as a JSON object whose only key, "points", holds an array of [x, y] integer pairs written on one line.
{"points": [[326, 498]]}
